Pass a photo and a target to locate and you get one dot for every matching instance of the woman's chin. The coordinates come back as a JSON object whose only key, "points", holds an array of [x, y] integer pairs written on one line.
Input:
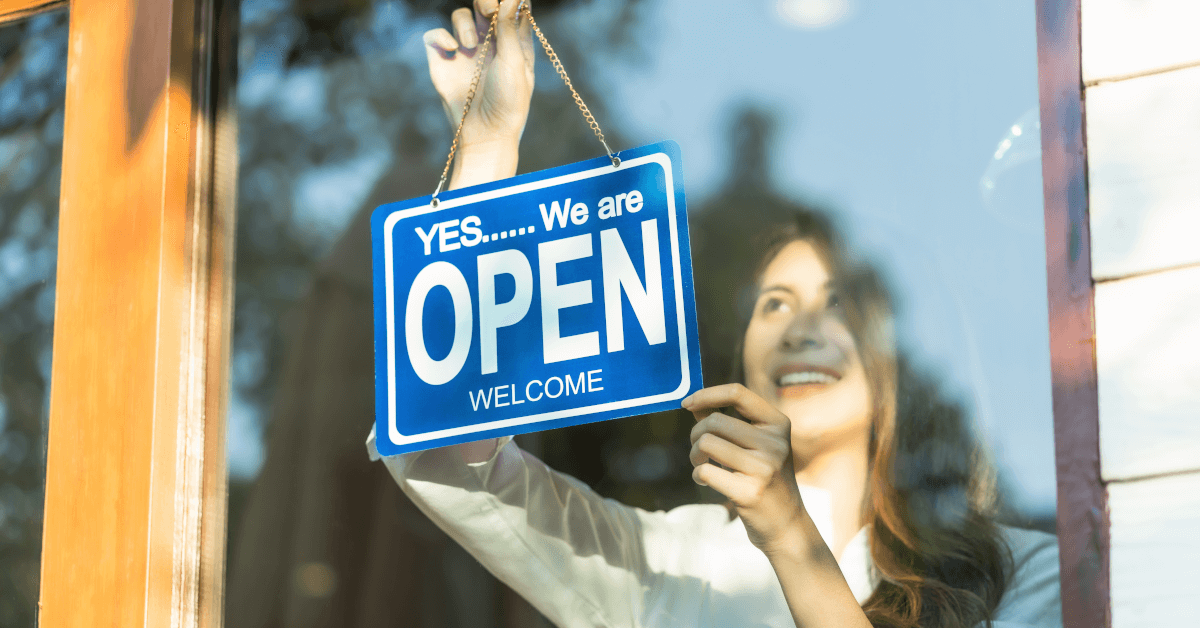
{"points": [[818, 414], [799, 392]]}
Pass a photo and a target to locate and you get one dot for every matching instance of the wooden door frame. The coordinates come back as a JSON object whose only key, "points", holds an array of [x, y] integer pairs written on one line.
{"points": [[1083, 526], [134, 531], [135, 487], [13, 10]]}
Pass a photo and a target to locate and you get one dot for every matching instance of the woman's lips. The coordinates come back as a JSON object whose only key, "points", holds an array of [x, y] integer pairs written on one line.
{"points": [[799, 381]]}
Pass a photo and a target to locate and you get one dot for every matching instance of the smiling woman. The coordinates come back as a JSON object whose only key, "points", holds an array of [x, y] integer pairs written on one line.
{"points": [[882, 443]]}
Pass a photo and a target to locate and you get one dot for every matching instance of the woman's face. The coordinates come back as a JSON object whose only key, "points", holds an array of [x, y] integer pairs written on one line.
{"points": [[800, 355]]}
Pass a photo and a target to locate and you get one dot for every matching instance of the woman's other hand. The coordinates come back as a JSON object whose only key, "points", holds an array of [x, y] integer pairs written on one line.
{"points": [[493, 127], [755, 458], [756, 475]]}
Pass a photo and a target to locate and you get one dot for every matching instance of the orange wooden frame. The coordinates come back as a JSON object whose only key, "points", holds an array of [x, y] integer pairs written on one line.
{"points": [[135, 483], [13, 10]]}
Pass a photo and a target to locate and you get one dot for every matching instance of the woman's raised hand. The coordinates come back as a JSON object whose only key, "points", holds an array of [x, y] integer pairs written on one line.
{"points": [[755, 458], [501, 103]]}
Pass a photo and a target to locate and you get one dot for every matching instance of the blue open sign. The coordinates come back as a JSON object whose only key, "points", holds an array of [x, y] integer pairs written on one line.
{"points": [[549, 299]]}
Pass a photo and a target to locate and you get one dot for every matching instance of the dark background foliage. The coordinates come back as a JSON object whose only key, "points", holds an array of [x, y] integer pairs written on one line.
{"points": [[32, 87]]}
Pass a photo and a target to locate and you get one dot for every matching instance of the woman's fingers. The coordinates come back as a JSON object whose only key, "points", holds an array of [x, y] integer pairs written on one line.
{"points": [[738, 488], [464, 27], [441, 39], [513, 33], [705, 401], [508, 8], [711, 447], [733, 430], [486, 8], [482, 22]]}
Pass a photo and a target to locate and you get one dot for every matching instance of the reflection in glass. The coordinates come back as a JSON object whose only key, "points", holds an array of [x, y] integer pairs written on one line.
{"points": [[814, 14], [336, 116], [1018, 158], [840, 104], [33, 72]]}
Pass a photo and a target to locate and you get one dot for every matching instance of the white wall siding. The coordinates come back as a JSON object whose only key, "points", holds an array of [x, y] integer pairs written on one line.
{"points": [[1148, 364], [1128, 37], [1155, 551], [1141, 68], [1144, 171]]}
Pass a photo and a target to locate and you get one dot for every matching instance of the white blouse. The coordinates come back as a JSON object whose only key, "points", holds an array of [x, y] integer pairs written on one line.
{"points": [[586, 561]]}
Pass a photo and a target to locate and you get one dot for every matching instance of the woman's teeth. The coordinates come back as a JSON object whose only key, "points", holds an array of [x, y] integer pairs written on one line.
{"points": [[806, 377]]}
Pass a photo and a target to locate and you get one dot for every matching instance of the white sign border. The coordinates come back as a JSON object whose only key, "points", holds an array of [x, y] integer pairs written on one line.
{"points": [[663, 160]]}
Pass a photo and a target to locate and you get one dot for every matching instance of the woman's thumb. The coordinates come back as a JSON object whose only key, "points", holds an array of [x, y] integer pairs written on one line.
{"points": [[508, 28], [509, 10]]}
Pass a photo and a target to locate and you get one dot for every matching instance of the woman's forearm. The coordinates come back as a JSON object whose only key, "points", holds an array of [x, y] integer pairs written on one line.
{"points": [[484, 162], [475, 164], [813, 584]]}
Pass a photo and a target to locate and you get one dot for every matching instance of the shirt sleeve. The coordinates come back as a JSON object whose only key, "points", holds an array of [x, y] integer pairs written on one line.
{"points": [[578, 558], [1033, 597]]}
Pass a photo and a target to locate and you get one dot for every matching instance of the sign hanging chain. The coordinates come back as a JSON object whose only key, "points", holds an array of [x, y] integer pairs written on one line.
{"points": [[558, 67]]}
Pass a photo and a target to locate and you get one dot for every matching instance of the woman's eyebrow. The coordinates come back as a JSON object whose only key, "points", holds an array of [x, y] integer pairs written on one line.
{"points": [[828, 286], [776, 287]]}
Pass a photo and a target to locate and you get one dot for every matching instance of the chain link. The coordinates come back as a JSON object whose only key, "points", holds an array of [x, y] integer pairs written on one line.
{"points": [[558, 67]]}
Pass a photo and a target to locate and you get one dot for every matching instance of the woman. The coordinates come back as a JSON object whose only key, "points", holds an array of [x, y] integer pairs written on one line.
{"points": [[859, 499]]}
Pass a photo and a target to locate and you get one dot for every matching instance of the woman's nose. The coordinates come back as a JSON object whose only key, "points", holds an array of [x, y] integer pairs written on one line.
{"points": [[803, 333]]}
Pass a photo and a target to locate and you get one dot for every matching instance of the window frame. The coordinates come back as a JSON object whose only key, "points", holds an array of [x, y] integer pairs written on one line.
{"points": [[1082, 517], [134, 528], [135, 507], [13, 10]]}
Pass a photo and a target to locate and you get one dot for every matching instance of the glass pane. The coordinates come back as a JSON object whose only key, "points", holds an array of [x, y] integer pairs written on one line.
{"points": [[33, 76], [911, 127]]}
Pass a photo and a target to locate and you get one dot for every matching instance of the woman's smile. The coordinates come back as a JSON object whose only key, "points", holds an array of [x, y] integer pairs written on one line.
{"points": [[800, 381]]}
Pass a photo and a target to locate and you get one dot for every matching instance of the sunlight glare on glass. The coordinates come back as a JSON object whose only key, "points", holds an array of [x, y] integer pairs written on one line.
{"points": [[814, 14], [1014, 149]]}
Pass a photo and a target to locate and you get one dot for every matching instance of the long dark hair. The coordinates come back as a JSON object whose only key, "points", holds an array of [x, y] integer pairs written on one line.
{"points": [[930, 497]]}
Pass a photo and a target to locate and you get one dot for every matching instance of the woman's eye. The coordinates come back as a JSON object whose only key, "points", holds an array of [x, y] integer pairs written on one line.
{"points": [[772, 304], [834, 302]]}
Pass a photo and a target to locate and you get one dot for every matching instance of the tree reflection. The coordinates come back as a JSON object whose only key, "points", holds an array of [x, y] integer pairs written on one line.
{"points": [[33, 82], [32, 91], [336, 116]]}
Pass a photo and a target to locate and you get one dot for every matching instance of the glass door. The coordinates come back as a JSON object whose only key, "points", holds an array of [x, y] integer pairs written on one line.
{"points": [[927, 161]]}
